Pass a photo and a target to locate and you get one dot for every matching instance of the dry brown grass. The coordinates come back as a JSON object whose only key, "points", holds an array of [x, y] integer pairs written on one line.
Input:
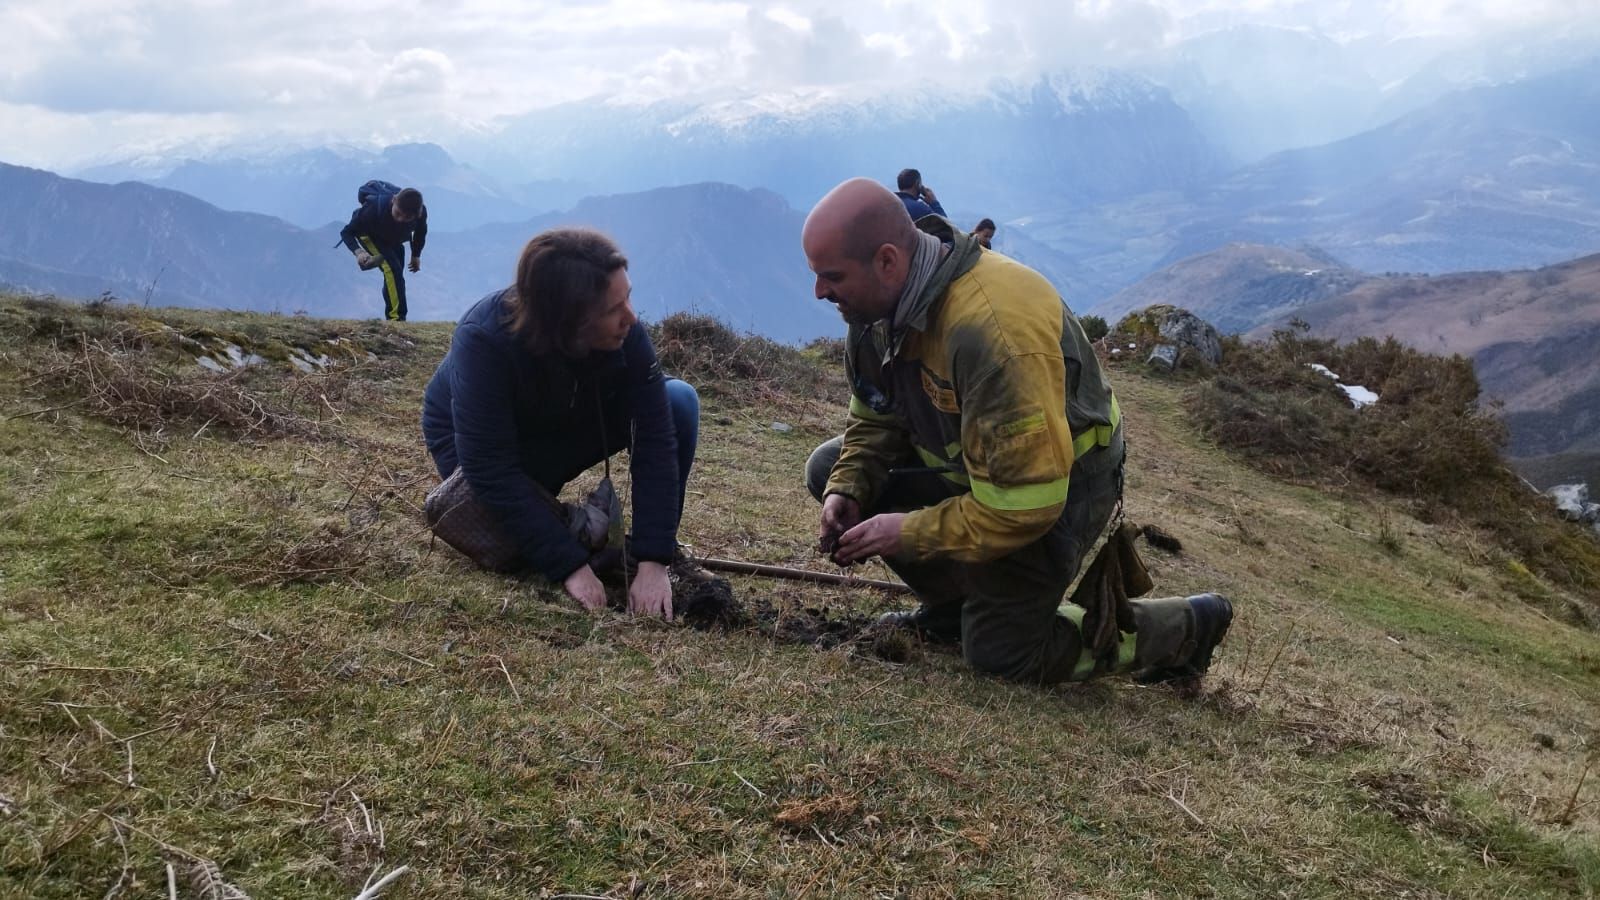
{"points": [[507, 745], [115, 383]]}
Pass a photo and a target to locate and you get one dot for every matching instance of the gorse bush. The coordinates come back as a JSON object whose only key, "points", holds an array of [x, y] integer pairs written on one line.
{"points": [[1427, 438], [1283, 431], [1094, 327]]}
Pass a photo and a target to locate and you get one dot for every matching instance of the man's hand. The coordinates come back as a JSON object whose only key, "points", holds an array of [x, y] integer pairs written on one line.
{"points": [[928, 195], [365, 260], [877, 536], [651, 591], [586, 589], [416, 263], [839, 514]]}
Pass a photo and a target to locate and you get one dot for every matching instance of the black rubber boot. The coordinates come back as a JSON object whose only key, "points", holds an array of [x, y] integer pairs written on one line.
{"points": [[931, 627], [1188, 651]]}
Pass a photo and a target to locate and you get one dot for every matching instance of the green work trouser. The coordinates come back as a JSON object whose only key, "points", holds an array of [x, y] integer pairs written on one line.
{"points": [[1006, 608]]}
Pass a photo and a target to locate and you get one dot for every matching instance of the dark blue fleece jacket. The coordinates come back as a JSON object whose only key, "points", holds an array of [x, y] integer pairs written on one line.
{"points": [[518, 415], [375, 219], [918, 207]]}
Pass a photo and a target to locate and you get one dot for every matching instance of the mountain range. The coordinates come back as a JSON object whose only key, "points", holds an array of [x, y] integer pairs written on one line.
{"points": [[1497, 177], [1257, 89], [312, 186], [132, 240], [1097, 177], [1078, 137], [712, 247]]}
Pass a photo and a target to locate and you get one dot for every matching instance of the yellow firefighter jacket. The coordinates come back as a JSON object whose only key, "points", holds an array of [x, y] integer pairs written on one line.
{"points": [[987, 377]]}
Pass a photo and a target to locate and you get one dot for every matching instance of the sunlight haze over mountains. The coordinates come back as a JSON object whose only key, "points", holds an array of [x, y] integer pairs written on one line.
{"points": [[86, 80]]}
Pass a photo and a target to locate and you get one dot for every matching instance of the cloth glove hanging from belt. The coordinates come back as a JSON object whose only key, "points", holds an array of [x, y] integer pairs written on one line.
{"points": [[1116, 574]]}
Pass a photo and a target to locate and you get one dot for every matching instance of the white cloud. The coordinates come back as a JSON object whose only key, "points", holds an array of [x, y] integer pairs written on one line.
{"points": [[181, 67], [417, 71]]}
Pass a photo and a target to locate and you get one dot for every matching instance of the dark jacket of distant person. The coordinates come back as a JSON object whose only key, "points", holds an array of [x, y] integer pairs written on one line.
{"points": [[919, 207], [375, 219]]}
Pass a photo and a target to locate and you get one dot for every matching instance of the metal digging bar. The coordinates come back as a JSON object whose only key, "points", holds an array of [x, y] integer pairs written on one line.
{"points": [[747, 568]]}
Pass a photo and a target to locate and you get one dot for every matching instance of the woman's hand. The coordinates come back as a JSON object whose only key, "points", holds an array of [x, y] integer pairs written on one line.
{"points": [[586, 588], [651, 591]]}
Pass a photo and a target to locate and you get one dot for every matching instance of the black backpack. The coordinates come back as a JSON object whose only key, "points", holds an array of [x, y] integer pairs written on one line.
{"points": [[374, 189]]}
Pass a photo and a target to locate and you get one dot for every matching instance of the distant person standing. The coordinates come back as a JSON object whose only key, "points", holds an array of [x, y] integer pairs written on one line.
{"points": [[918, 197], [983, 233], [388, 217]]}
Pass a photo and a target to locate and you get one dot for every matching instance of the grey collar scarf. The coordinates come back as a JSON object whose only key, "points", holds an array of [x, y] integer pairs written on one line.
{"points": [[924, 260]]}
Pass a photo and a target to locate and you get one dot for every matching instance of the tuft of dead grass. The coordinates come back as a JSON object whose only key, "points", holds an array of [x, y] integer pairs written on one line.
{"points": [[116, 382], [830, 811], [746, 368], [1407, 797]]}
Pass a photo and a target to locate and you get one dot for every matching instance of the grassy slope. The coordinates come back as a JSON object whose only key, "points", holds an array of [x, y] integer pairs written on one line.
{"points": [[1385, 719]]}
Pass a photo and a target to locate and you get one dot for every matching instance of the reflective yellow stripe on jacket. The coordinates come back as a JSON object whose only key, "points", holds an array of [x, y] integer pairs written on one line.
{"points": [[1099, 435], [1039, 496]]}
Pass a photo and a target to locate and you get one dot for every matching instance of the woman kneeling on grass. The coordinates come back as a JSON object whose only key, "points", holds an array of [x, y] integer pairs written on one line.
{"points": [[547, 378]]}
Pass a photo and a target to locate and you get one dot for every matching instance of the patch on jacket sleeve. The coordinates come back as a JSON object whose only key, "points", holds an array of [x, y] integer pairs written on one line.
{"points": [[942, 396], [1023, 426], [1017, 448], [1021, 466]]}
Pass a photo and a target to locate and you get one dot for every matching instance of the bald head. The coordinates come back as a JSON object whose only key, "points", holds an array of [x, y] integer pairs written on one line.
{"points": [[858, 217], [859, 241]]}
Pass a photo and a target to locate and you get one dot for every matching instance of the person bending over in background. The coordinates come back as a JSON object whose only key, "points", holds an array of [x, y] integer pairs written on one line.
{"points": [[387, 218], [549, 377], [982, 455]]}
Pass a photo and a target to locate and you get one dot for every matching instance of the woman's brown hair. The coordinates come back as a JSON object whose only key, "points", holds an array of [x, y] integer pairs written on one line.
{"points": [[562, 278]]}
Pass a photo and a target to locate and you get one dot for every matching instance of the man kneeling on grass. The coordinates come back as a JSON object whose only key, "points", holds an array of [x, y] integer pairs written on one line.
{"points": [[547, 378], [983, 452]]}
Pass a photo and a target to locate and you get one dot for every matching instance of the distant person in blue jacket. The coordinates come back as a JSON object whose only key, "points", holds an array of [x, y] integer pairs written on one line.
{"points": [[549, 377], [387, 218], [918, 197]]}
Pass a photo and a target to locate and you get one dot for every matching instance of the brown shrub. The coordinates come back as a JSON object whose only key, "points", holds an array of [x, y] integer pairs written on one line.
{"points": [[708, 354], [1428, 438], [1300, 435]]}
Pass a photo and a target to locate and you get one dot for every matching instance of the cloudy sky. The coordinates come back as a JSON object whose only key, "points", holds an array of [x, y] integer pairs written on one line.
{"points": [[85, 79]]}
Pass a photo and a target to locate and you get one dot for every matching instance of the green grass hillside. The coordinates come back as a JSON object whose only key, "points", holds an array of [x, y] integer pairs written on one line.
{"points": [[230, 657]]}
